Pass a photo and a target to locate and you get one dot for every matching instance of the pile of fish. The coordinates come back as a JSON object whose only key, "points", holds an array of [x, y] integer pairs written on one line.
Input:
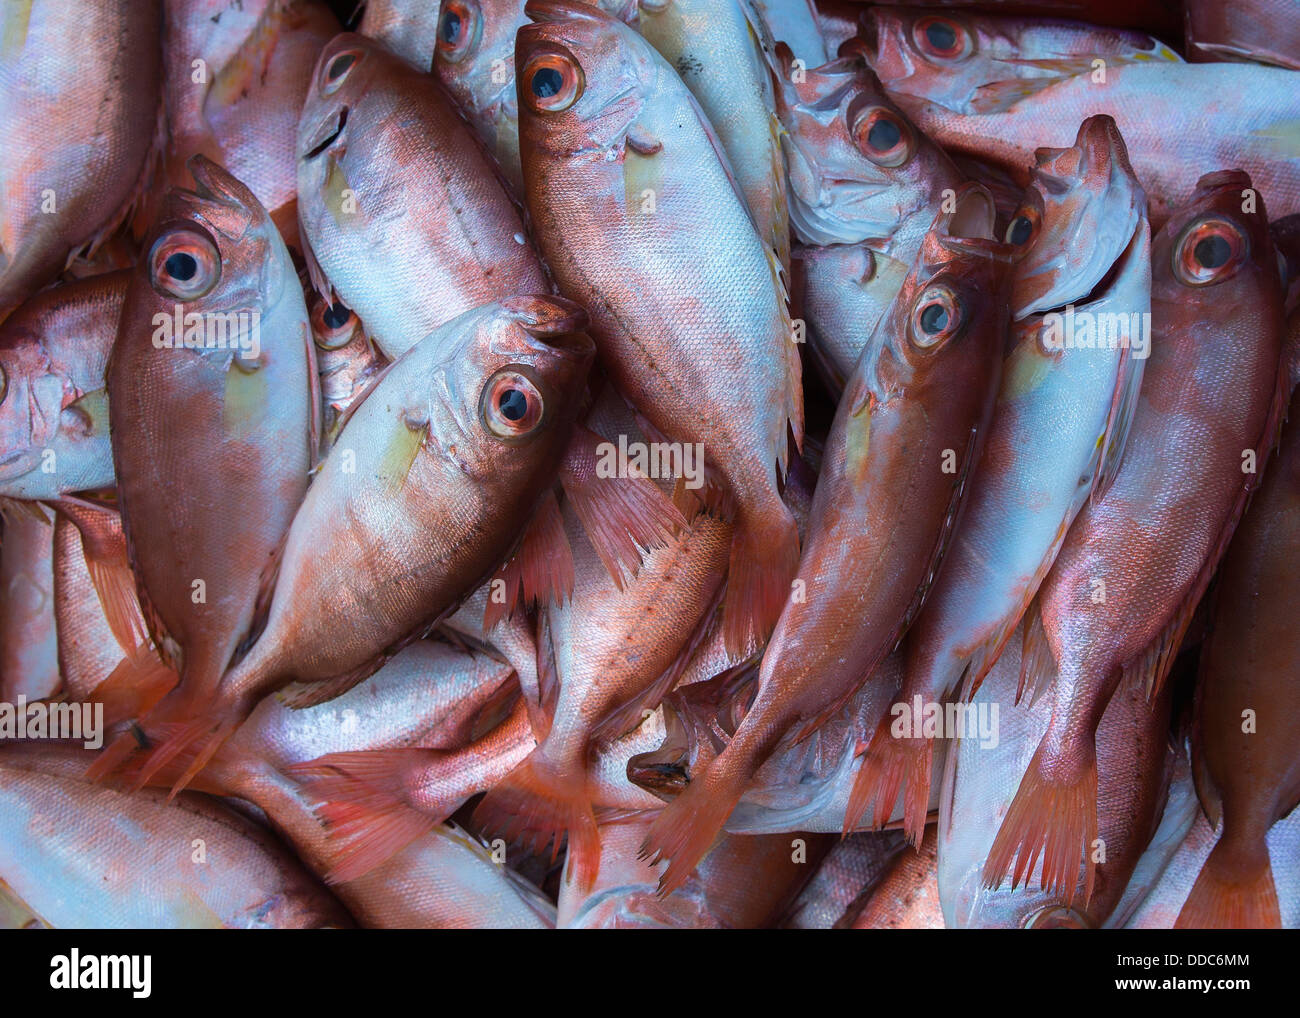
{"points": [[677, 463]]}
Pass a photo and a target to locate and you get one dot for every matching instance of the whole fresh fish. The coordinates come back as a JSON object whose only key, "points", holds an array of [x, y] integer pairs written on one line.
{"points": [[347, 361], [1245, 731], [236, 73], [88, 857], [885, 505], [1058, 432], [714, 45], [407, 27], [639, 220], [53, 406], [1137, 560], [29, 654], [864, 187], [907, 896], [977, 63], [406, 218], [80, 111], [475, 58], [1266, 31], [618, 647], [213, 424], [851, 867], [435, 473], [1256, 131], [1134, 759]]}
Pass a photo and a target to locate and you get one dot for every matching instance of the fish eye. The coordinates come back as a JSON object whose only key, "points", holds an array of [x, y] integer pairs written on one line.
{"points": [[511, 405], [552, 82], [936, 317], [332, 325], [1023, 229], [184, 263], [459, 27], [337, 71], [882, 136], [1209, 250], [942, 39]]}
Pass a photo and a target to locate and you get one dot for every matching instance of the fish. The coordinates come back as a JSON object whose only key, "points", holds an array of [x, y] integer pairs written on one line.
{"points": [[797, 24], [406, 252], [1134, 767], [213, 424], [474, 58], [715, 47], [407, 27], [29, 650], [1035, 472], [347, 361], [1258, 134], [617, 649], [907, 896], [850, 868], [882, 513], [85, 856], [1263, 31], [53, 404], [977, 63], [436, 471], [81, 114], [687, 302], [1121, 593], [1243, 734], [235, 76], [864, 189]]}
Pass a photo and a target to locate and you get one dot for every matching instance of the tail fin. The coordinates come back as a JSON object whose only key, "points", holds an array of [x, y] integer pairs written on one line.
{"points": [[1054, 813], [764, 562], [1235, 891], [892, 764], [541, 571], [537, 803], [135, 686], [686, 829], [365, 804]]}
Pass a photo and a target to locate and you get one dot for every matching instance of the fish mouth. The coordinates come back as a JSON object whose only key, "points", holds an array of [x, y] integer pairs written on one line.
{"points": [[665, 771], [331, 129], [1103, 286]]}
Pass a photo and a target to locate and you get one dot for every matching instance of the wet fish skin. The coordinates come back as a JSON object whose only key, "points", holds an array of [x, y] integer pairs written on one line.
{"points": [[1174, 481], [871, 553], [907, 896], [88, 649], [1260, 30], [199, 435], [687, 304], [85, 856], [29, 662], [80, 114], [347, 361], [53, 354], [406, 218], [1246, 772], [407, 27], [852, 866]]}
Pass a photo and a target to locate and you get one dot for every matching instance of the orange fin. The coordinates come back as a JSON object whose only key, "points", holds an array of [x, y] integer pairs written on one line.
{"points": [[104, 547], [366, 806], [620, 511], [538, 803], [177, 766], [685, 830], [764, 563], [893, 765], [541, 571], [1038, 668], [113, 756], [135, 686], [1119, 423], [1054, 818], [1232, 893], [300, 695]]}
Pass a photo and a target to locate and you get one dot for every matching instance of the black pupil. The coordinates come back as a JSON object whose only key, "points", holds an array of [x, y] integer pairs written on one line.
{"points": [[941, 36], [1213, 252], [340, 66], [450, 27], [513, 404], [934, 319], [181, 266], [1020, 230], [884, 135], [336, 315], [546, 82]]}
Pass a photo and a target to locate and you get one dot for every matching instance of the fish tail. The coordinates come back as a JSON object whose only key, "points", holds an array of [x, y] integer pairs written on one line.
{"points": [[541, 570], [892, 765], [115, 584], [538, 803], [171, 771], [1235, 891], [764, 560], [686, 829], [365, 804], [135, 686], [1054, 814]]}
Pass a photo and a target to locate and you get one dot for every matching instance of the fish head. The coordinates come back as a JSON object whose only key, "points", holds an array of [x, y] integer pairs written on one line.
{"points": [[32, 398], [511, 382], [214, 253], [858, 167], [1079, 215], [920, 53], [583, 79], [474, 52]]}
